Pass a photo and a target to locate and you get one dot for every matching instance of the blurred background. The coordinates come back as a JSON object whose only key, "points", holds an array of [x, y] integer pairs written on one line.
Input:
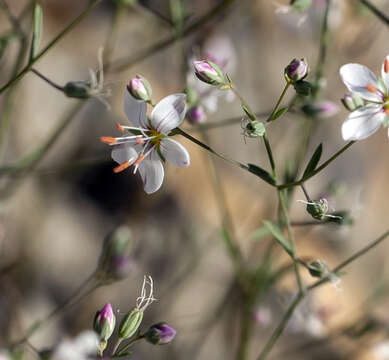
{"points": [[53, 219]]}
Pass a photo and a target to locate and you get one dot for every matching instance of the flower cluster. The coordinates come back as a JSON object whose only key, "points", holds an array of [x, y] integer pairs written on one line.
{"points": [[147, 144]]}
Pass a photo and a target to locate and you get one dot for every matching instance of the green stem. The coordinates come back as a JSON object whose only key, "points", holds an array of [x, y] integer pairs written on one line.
{"points": [[127, 346], [270, 155], [375, 11], [67, 29], [270, 118], [320, 168], [206, 147], [124, 63]]}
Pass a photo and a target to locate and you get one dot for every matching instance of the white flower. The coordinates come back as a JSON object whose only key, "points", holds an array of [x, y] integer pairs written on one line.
{"points": [[80, 348], [366, 120], [151, 145]]}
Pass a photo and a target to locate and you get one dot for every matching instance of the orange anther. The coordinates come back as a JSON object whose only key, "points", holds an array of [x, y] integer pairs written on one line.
{"points": [[139, 140], [108, 140], [386, 65], [139, 159], [371, 88], [121, 167], [120, 128], [387, 111]]}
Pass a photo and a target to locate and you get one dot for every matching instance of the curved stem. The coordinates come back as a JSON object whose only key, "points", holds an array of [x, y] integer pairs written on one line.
{"points": [[49, 46], [44, 78]]}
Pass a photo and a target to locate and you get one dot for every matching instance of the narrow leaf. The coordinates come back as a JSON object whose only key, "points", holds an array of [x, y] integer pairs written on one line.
{"points": [[263, 174], [248, 112], [314, 161], [277, 233], [279, 113], [37, 31]]}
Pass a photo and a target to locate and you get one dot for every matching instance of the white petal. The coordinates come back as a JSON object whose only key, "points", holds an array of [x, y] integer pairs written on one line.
{"points": [[152, 173], [135, 110], [362, 123], [174, 152], [123, 153], [385, 75], [356, 77], [169, 113]]}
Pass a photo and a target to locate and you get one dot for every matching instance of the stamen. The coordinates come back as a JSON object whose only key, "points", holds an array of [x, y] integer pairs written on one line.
{"points": [[108, 140], [120, 127], [121, 167], [386, 65], [139, 159], [371, 88], [140, 140]]}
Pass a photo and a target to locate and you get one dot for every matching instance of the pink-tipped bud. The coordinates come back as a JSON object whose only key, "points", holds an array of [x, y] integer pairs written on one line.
{"points": [[140, 88], [321, 109], [104, 322], [208, 72], [160, 334], [196, 115], [297, 70]]}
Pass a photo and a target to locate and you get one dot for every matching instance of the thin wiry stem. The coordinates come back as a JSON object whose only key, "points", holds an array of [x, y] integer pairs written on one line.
{"points": [[125, 63], [53, 42], [50, 82], [375, 11], [299, 297]]}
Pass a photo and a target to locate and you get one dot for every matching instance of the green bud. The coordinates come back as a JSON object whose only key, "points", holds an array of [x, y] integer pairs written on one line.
{"points": [[77, 89], [130, 323], [318, 269], [318, 209], [302, 88]]}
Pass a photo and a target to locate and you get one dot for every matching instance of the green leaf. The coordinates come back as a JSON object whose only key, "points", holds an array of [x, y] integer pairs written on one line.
{"points": [[279, 113], [259, 233], [263, 174], [277, 233], [37, 31], [314, 161], [248, 112]]}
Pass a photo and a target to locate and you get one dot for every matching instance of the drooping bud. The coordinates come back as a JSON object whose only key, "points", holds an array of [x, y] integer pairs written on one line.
{"points": [[104, 322], [318, 209], [160, 334], [209, 72], [77, 89], [352, 101], [140, 88], [196, 115], [321, 109], [114, 262], [130, 323], [297, 70]]}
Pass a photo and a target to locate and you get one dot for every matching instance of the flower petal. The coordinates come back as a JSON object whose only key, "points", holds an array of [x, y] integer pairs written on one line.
{"points": [[135, 110], [385, 72], [123, 153], [362, 123], [152, 173], [174, 152], [358, 79], [169, 113]]}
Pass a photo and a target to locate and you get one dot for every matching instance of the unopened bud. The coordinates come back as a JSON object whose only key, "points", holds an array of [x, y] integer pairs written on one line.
{"points": [[114, 262], [318, 269], [104, 322], [321, 109], [130, 323], [140, 88], [318, 209], [297, 70], [160, 334], [196, 115], [341, 218], [77, 89], [352, 101], [209, 72]]}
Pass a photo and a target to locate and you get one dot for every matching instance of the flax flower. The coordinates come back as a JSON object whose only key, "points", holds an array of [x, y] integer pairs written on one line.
{"points": [[147, 144], [366, 120]]}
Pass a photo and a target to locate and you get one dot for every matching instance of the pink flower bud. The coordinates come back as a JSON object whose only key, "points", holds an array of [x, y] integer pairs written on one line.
{"points": [[297, 70], [104, 322], [160, 334], [140, 88], [208, 72], [196, 115]]}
